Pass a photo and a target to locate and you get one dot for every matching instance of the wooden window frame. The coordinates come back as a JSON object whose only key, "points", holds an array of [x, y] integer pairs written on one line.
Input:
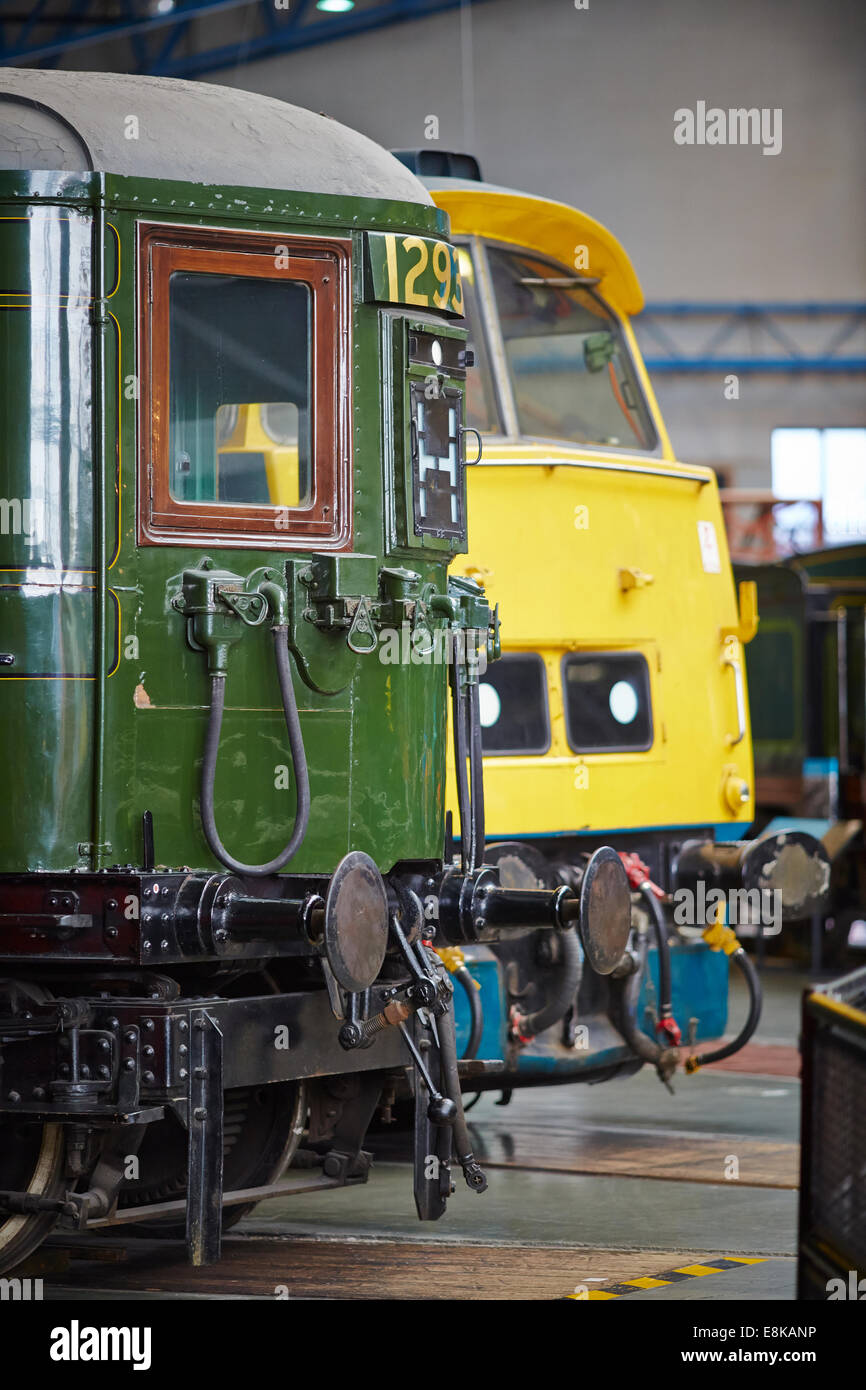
{"points": [[324, 264]]}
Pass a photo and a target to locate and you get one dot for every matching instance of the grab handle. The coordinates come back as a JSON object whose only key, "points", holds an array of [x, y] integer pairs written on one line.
{"points": [[733, 661]]}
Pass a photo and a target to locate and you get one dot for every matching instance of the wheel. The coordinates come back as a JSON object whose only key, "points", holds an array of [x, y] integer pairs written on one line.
{"points": [[31, 1160], [262, 1128]]}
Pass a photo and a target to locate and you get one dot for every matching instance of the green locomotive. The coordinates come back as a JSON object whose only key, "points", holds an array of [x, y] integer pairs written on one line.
{"points": [[232, 477], [807, 688]]}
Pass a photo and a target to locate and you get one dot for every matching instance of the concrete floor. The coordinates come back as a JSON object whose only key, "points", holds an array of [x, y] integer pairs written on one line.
{"points": [[590, 1187]]}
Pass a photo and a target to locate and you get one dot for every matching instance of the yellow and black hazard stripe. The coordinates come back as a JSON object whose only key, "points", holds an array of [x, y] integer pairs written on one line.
{"points": [[668, 1276]]}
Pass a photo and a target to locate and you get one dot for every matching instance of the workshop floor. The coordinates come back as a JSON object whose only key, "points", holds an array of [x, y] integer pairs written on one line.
{"points": [[599, 1192]]}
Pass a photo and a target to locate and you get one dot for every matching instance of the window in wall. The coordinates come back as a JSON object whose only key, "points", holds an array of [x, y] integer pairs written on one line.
{"points": [[826, 466], [512, 699], [607, 702], [569, 365], [248, 431]]}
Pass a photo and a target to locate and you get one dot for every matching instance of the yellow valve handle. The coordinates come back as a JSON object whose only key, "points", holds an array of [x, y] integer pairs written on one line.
{"points": [[721, 938], [453, 958]]}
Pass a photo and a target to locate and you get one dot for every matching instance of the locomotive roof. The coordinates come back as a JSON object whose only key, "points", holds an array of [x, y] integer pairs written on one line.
{"points": [[190, 131], [540, 224]]}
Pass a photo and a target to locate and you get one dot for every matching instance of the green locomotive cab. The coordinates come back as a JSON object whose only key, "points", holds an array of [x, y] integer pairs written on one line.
{"points": [[232, 473], [807, 678]]}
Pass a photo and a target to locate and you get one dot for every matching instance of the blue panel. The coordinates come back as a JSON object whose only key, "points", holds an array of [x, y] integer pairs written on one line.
{"points": [[735, 830], [699, 989], [809, 825], [820, 767], [699, 979], [493, 1038]]}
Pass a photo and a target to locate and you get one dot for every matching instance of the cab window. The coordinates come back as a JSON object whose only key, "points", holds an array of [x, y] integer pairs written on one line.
{"points": [[569, 368], [512, 698], [607, 702], [239, 390], [244, 395]]}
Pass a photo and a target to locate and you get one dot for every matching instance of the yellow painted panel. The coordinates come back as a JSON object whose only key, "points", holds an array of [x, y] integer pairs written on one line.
{"points": [[560, 590]]}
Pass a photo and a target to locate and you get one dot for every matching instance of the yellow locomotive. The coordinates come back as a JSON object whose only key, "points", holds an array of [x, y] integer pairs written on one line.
{"points": [[618, 712], [620, 701]]}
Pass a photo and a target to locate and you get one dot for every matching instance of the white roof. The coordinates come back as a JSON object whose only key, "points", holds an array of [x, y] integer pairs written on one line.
{"points": [[190, 131]]}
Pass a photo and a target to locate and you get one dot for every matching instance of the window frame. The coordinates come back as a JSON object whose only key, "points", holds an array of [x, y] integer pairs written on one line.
{"points": [[545, 687], [604, 655], [479, 246], [324, 265], [482, 294]]}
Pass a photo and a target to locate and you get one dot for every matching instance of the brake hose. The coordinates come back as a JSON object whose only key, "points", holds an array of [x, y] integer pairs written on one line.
{"points": [[476, 769], [753, 983], [625, 991], [562, 994], [666, 1023], [476, 1014], [299, 763], [468, 847]]}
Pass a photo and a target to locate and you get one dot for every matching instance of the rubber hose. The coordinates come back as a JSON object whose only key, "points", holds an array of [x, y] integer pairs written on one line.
{"points": [[299, 763], [705, 1059], [565, 987], [661, 931], [476, 1014], [467, 829], [451, 1085], [626, 993], [476, 764]]}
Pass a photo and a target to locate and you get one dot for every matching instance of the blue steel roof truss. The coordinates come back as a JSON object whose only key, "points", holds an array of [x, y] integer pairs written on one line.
{"points": [[45, 31], [745, 339]]}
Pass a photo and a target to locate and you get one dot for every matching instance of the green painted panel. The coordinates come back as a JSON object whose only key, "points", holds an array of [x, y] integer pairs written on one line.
{"points": [[47, 756], [48, 629], [375, 749]]}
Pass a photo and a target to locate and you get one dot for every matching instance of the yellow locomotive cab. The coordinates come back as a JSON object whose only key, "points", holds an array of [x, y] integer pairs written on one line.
{"points": [[620, 701]]}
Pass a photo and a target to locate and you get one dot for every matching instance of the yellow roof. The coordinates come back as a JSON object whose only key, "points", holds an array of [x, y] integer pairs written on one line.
{"points": [[553, 229]]}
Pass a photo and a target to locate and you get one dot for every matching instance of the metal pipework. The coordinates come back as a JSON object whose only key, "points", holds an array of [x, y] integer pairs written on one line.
{"points": [[474, 907], [212, 911], [791, 863]]}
